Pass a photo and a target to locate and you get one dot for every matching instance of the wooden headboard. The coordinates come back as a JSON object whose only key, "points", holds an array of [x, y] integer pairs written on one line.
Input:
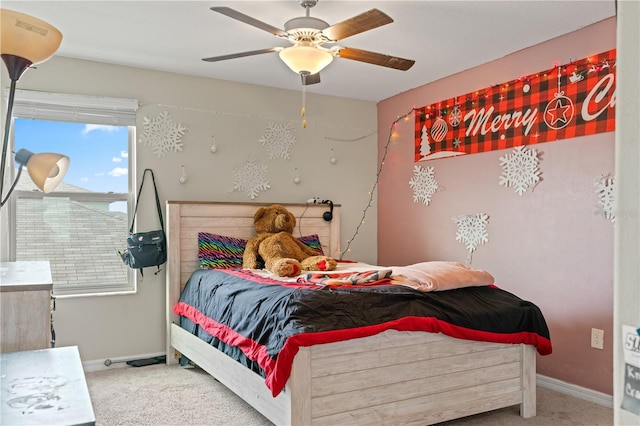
{"points": [[186, 218]]}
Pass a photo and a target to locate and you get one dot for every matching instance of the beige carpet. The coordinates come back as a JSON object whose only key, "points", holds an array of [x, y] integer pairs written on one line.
{"points": [[163, 395]]}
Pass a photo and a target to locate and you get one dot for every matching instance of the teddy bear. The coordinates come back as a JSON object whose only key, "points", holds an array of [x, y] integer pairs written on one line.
{"points": [[281, 252]]}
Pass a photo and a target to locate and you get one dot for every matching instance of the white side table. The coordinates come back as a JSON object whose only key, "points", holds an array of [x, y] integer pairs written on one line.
{"points": [[44, 387], [25, 306]]}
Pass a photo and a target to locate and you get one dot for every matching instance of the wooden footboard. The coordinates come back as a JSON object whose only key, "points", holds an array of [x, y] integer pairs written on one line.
{"points": [[390, 378], [413, 378], [239, 379]]}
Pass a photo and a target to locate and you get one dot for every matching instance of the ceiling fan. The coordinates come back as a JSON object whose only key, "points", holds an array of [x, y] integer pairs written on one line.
{"points": [[307, 55]]}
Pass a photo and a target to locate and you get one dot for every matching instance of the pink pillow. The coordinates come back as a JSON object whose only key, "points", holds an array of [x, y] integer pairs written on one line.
{"points": [[438, 276]]}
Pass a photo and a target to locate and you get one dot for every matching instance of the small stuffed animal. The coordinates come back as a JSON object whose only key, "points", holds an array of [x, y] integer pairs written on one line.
{"points": [[274, 242]]}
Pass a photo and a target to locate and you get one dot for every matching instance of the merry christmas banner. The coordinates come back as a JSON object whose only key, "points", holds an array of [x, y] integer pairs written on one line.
{"points": [[566, 101]]}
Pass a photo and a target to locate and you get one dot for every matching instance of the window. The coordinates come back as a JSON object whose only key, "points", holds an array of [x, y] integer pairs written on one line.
{"points": [[81, 225]]}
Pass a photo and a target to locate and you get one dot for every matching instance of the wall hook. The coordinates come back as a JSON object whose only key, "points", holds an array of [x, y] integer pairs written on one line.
{"points": [[333, 159], [213, 147]]}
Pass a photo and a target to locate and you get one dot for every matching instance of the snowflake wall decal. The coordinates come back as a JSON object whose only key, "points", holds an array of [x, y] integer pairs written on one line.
{"points": [[250, 177], [162, 134], [472, 231], [278, 139], [605, 189], [423, 184], [520, 169]]}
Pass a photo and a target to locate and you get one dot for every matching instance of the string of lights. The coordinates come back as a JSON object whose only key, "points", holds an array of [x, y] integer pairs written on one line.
{"points": [[377, 180], [254, 116], [574, 71]]}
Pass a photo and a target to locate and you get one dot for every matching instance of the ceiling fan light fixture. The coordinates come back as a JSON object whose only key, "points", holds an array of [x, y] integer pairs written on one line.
{"points": [[306, 59]]}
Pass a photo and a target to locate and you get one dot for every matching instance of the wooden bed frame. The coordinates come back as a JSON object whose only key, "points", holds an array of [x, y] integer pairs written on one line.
{"points": [[390, 378]]}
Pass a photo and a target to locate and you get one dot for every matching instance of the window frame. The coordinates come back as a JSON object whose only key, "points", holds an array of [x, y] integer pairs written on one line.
{"points": [[78, 109]]}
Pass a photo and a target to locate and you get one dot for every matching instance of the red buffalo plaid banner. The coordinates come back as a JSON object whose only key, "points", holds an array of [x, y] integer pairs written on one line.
{"points": [[566, 101]]}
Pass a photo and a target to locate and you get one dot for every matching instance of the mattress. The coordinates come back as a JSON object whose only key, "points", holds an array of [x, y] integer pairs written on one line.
{"points": [[262, 322]]}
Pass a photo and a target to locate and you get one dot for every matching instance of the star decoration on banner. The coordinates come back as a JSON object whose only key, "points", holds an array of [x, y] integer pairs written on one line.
{"points": [[456, 143], [278, 139], [559, 112], [423, 184], [162, 134]]}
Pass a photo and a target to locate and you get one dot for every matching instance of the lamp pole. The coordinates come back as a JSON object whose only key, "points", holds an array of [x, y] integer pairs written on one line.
{"points": [[16, 66], [24, 41]]}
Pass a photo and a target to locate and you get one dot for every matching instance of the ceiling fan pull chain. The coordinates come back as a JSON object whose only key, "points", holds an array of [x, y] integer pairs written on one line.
{"points": [[303, 112]]}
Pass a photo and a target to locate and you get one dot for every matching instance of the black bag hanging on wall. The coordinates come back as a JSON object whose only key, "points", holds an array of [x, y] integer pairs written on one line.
{"points": [[146, 249]]}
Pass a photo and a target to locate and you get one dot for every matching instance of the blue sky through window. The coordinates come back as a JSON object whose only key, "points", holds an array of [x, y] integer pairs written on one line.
{"points": [[98, 153]]}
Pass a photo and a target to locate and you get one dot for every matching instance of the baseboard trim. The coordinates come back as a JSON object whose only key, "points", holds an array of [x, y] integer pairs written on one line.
{"points": [[542, 381], [117, 362], [575, 390]]}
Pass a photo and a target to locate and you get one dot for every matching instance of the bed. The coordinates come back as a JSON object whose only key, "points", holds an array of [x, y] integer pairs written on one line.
{"points": [[392, 377]]}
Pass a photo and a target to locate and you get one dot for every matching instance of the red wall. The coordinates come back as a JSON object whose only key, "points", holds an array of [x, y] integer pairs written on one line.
{"points": [[547, 246]]}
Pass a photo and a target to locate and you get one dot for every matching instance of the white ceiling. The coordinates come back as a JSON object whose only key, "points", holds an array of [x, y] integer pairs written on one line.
{"points": [[443, 37]]}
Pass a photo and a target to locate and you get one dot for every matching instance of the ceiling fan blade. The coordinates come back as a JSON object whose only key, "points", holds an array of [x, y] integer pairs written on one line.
{"points": [[231, 13], [358, 24], [241, 54], [310, 79], [375, 58]]}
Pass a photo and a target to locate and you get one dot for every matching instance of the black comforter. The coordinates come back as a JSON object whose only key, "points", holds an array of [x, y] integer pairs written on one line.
{"points": [[267, 320]]}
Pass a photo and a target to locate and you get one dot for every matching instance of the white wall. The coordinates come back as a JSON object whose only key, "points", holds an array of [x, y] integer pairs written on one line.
{"points": [[237, 115], [546, 246], [627, 234]]}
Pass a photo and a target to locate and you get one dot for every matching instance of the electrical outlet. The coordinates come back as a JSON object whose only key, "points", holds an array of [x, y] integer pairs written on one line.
{"points": [[597, 338]]}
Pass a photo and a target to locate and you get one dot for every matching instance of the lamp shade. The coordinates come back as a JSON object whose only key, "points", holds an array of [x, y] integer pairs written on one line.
{"points": [[306, 58], [45, 169], [27, 37]]}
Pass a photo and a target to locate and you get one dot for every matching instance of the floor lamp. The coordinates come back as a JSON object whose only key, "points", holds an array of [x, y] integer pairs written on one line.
{"points": [[25, 41]]}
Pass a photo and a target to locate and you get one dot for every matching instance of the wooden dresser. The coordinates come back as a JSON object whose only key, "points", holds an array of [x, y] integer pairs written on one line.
{"points": [[25, 306]]}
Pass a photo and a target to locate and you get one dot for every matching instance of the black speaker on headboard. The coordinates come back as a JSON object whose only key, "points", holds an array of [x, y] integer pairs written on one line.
{"points": [[328, 215]]}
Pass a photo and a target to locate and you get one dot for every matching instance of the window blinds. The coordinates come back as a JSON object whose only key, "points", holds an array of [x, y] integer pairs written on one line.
{"points": [[75, 108]]}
